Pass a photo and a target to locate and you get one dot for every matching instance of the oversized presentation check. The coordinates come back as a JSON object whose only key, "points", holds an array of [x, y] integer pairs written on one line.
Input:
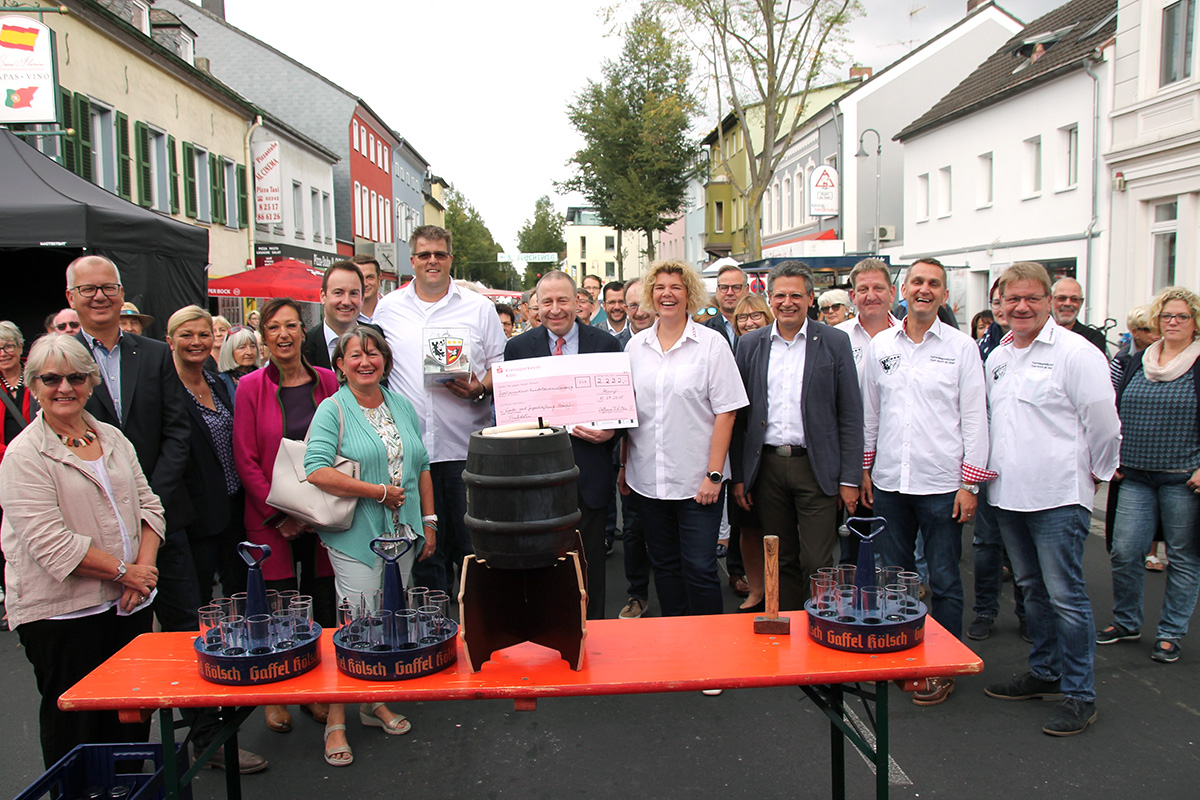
{"points": [[593, 389]]}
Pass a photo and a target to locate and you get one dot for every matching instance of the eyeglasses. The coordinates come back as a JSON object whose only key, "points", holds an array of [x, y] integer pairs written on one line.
{"points": [[995, 303], [238, 329], [1067, 298], [90, 289], [730, 287], [11, 347], [439, 255], [782, 297], [62, 326], [757, 316], [832, 306], [633, 306], [1028, 299], [1180, 318], [290, 327], [53, 380]]}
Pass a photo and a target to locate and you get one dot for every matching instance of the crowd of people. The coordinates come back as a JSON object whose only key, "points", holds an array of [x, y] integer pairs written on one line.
{"points": [[132, 467]]}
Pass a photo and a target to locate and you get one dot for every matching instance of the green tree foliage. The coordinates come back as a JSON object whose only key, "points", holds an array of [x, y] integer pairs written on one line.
{"points": [[542, 234], [763, 56], [474, 248], [637, 153]]}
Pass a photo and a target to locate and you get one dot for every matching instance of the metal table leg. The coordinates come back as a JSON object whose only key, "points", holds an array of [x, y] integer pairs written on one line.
{"points": [[830, 699]]}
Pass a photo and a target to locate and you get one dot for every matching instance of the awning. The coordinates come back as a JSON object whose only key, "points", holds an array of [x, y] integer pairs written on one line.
{"points": [[286, 278]]}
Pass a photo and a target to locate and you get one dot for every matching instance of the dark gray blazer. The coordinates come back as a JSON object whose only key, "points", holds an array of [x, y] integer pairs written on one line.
{"points": [[717, 323], [830, 406]]}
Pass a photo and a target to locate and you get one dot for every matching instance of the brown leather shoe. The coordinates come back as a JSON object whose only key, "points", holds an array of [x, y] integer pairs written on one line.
{"points": [[936, 691], [278, 718], [740, 586], [248, 763]]}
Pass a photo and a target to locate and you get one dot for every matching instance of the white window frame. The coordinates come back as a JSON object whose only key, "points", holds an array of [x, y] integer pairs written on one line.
{"points": [[327, 209], [1164, 234], [203, 185], [1069, 143], [354, 134], [1176, 66], [298, 209], [985, 185], [314, 201], [357, 208], [1032, 178], [232, 210], [945, 192], [922, 195]]}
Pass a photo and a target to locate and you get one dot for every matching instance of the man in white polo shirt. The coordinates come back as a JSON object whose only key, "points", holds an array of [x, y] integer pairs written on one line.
{"points": [[1054, 435], [873, 294], [926, 445], [449, 412]]}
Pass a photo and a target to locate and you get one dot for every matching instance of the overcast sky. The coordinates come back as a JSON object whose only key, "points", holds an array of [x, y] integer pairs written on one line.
{"points": [[480, 87]]}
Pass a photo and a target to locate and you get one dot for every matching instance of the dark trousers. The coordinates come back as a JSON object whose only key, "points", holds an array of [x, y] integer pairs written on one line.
{"points": [[591, 530], [793, 507], [453, 540], [637, 562], [216, 556], [178, 590], [733, 551], [62, 653], [681, 540]]}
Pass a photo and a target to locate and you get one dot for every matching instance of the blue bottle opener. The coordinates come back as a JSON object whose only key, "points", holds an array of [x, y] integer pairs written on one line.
{"points": [[391, 550], [256, 591]]}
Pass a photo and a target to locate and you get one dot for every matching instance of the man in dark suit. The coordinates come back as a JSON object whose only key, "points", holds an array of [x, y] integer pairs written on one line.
{"points": [[562, 334], [798, 447], [140, 393], [731, 288], [341, 300]]}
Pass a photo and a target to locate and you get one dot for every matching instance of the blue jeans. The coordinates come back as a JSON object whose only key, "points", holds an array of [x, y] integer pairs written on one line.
{"points": [[988, 551], [1046, 548], [1144, 497], [932, 515], [681, 540], [633, 543], [453, 539]]}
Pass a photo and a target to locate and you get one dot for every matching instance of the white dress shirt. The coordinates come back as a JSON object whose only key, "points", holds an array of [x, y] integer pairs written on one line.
{"points": [[446, 421], [570, 340], [785, 384], [860, 339], [925, 426], [1054, 421], [331, 339], [679, 394]]}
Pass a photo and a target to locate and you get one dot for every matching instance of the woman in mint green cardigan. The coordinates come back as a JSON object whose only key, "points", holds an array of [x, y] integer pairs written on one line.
{"points": [[379, 430]]}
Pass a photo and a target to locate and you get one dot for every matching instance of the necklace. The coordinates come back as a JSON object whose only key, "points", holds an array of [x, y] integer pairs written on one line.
{"points": [[9, 387], [70, 441]]}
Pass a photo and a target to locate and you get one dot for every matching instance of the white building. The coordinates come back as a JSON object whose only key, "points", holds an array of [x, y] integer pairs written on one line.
{"points": [[1006, 167], [1154, 157]]}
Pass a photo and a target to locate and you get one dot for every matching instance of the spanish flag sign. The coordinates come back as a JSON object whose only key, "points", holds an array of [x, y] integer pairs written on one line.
{"points": [[27, 83], [18, 38]]}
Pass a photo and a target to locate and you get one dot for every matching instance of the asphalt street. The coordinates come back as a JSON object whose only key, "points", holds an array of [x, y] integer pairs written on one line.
{"points": [[744, 743]]}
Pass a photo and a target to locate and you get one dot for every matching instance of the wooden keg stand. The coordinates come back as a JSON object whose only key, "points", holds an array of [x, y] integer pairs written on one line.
{"points": [[535, 588]]}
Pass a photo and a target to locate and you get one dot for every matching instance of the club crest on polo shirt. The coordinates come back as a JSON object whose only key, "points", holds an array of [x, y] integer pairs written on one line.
{"points": [[998, 371], [890, 363]]}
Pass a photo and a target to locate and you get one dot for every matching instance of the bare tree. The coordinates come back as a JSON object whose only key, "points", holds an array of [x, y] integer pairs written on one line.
{"points": [[764, 56]]}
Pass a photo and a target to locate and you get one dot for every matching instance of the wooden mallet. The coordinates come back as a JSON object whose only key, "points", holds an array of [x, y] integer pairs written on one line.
{"points": [[772, 622]]}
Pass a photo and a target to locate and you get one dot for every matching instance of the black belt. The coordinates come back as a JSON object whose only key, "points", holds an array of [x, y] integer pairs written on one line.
{"points": [[787, 450]]}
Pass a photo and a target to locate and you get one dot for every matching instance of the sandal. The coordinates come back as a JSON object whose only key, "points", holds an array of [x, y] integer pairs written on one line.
{"points": [[1165, 651], [278, 718], [398, 725], [1154, 564], [331, 752]]}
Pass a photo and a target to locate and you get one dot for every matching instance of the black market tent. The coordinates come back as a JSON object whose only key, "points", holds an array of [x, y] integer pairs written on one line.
{"points": [[49, 216]]}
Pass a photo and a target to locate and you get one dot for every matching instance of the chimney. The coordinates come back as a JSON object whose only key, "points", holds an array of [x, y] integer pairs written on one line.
{"points": [[214, 7], [971, 4], [859, 71], [203, 64]]}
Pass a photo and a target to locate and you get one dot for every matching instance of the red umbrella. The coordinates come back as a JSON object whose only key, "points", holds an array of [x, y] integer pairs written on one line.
{"points": [[286, 278]]}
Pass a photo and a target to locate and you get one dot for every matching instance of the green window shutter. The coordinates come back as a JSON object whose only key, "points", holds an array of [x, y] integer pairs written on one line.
{"points": [[68, 156], [83, 138], [190, 200], [124, 162], [216, 194], [145, 171], [243, 197], [173, 183]]}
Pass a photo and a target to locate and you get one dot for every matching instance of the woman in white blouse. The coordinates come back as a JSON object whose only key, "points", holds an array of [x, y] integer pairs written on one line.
{"points": [[687, 388]]}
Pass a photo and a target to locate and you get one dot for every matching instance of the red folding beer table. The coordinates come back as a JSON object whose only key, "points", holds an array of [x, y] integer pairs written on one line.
{"points": [[157, 671]]}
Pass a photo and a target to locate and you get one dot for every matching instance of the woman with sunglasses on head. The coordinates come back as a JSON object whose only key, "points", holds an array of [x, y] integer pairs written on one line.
{"points": [[276, 401], [81, 531], [1158, 398], [238, 356], [752, 313]]}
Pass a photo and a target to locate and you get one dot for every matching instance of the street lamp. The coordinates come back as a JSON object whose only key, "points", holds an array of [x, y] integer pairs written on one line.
{"points": [[862, 153]]}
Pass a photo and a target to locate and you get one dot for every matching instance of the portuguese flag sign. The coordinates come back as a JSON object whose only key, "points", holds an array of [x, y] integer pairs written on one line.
{"points": [[27, 84], [19, 98]]}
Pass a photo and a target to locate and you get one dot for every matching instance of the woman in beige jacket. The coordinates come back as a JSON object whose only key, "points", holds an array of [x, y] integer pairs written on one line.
{"points": [[81, 532]]}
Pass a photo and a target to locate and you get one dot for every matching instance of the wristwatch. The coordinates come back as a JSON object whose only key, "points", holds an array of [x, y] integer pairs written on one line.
{"points": [[122, 568], [973, 488], [714, 476]]}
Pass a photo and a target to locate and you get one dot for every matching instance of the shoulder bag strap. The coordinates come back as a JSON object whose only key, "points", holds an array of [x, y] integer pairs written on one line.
{"points": [[12, 408]]}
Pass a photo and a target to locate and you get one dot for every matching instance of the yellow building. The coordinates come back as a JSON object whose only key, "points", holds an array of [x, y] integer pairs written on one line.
{"points": [[592, 248], [434, 212], [725, 198], [149, 125]]}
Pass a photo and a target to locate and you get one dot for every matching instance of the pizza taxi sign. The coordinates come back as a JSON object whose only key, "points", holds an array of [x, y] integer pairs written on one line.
{"points": [[26, 71]]}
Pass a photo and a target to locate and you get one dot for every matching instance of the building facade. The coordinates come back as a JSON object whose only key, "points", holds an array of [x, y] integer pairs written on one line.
{"points": [[594, 249]]}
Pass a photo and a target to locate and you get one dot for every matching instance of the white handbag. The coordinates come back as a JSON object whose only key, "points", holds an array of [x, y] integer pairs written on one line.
{"points": [[292, 494]]}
